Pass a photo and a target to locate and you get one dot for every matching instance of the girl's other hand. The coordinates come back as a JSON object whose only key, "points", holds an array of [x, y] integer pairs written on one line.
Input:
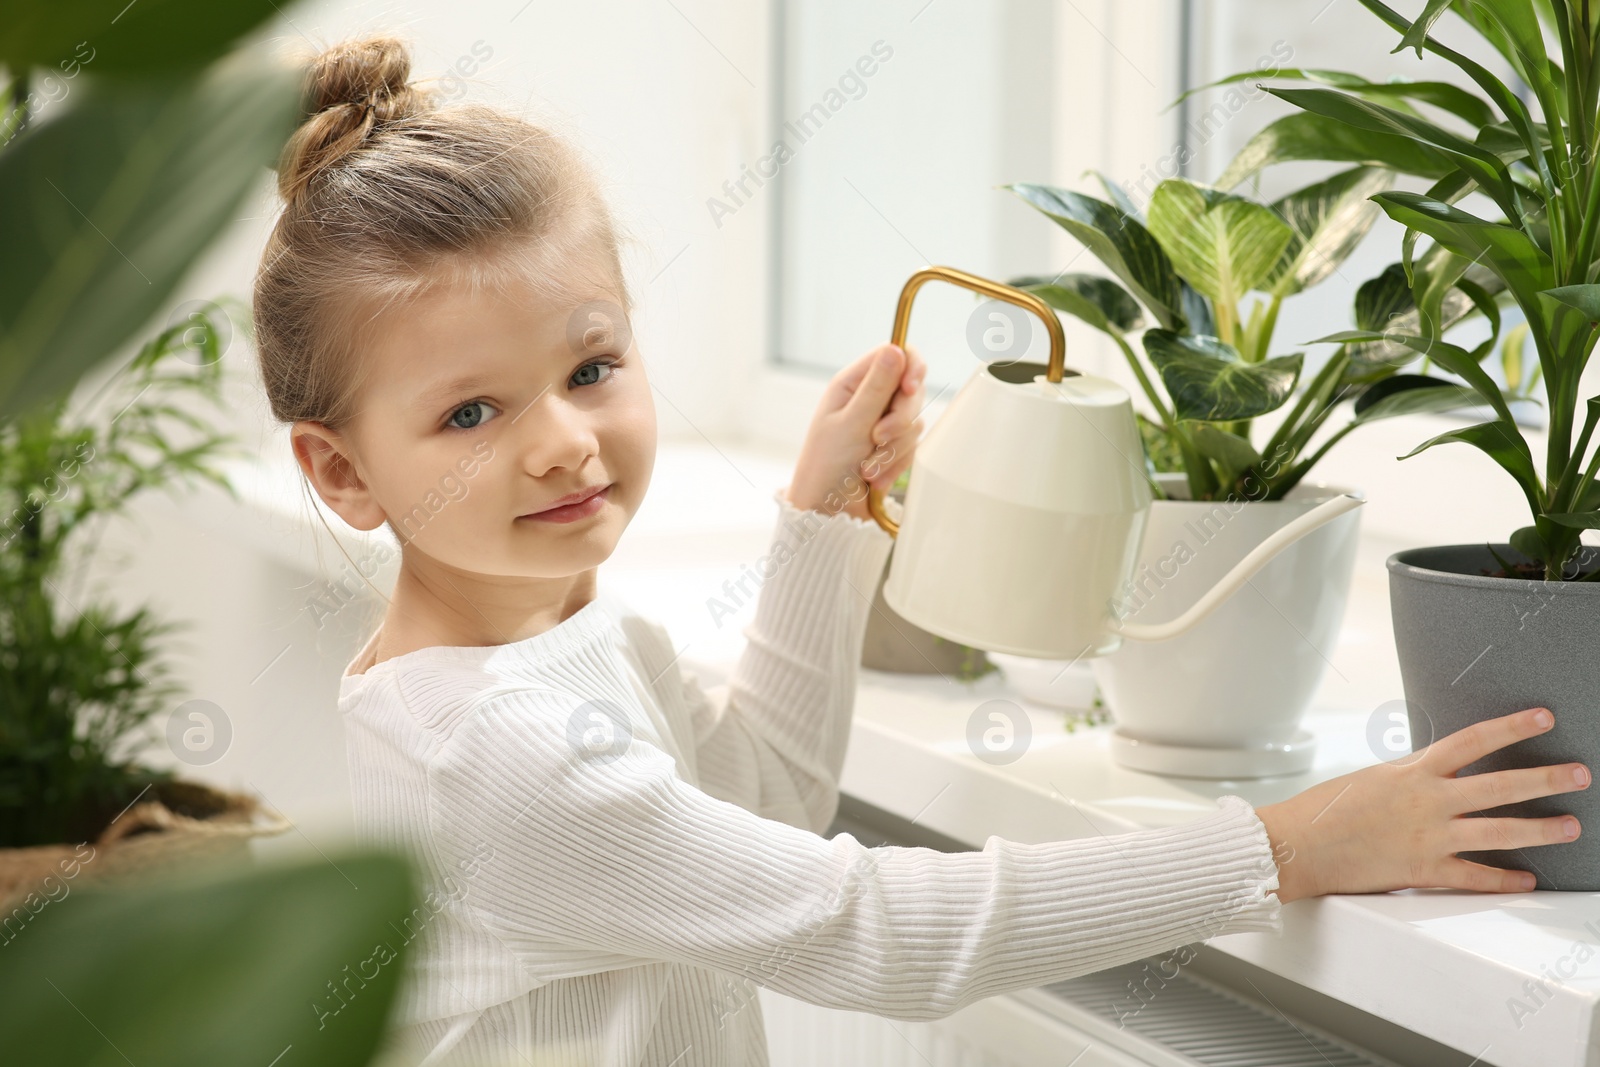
{"points": [[1398, 825], [864, 432]]}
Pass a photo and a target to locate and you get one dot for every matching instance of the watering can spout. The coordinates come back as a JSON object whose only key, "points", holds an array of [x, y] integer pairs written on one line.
{"points": [[1242, 571]]}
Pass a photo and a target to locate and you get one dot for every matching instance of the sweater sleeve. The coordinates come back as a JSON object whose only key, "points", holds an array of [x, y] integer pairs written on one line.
{"points": [[610, 860], [774, 738]]}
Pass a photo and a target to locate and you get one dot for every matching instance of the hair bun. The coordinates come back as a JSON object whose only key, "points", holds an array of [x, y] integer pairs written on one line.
{"points": [[351, 89]]}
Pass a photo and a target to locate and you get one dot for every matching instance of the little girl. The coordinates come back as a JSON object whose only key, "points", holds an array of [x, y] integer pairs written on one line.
{"points": [[615, 857]]}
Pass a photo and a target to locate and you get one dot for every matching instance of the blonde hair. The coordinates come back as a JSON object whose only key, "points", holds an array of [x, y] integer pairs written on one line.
{"points": [[387, 194]]}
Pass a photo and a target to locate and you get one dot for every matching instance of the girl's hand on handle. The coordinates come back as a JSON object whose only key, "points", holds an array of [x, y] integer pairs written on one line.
{"points": [[864, 432], [1398, 825]]}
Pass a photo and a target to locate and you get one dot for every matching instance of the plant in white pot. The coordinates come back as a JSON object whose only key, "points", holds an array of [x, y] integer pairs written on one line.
{"points": [[1484, 629], [1188, 705]]}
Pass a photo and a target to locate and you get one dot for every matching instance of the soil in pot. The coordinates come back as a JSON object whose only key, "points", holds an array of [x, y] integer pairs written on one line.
{"points": [[1472, 647]]}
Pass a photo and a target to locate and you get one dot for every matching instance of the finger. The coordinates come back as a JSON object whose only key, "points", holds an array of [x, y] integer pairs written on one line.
{"points": [[1494, 788], [1458, 873], [903, 411], [915, 373], [1474, 833], [871, 394], [885, 464], [1451, 753], [848, 382]]}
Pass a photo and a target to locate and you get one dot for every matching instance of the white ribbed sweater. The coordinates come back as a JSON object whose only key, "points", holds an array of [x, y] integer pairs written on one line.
{"points": [[616, 858]]}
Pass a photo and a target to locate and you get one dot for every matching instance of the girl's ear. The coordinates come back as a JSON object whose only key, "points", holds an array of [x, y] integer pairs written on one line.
{"points": [[326, 459]]}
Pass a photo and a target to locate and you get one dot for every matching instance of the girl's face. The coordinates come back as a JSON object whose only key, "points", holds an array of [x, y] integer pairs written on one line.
{"points": [[481, 409]]}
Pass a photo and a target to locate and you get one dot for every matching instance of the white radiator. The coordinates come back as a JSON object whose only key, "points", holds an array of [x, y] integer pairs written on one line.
{"points": [[1189, 1022]]}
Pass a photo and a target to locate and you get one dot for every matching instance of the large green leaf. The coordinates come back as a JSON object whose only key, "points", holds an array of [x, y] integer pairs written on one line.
{"points": [[1484, 166], [1207, 380], [1306, 136], [1328, 221], [291, 965], [1223, 245], [147, 37], [1100, 302], [104, 207], [1118, 240]]}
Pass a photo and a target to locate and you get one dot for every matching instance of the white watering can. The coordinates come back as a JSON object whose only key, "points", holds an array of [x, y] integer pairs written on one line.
{"points": [[1026, 505]]}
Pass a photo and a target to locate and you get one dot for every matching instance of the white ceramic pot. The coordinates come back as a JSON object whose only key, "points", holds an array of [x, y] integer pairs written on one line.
{"points": [[1234, 688]]}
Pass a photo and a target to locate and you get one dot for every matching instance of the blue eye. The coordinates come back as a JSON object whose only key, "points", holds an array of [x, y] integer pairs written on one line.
{"points": [[474, 413], [596, 366]]}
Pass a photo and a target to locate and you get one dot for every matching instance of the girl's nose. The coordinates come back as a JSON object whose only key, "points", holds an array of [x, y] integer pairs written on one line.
{"points": [[553, 433]]}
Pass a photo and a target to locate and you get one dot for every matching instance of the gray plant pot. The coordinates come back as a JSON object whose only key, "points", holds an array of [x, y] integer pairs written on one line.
{"points": [[1473, 647]]}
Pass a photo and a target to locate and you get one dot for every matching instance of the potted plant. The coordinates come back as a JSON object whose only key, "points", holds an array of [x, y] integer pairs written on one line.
{"points": [[79, 679], [1174, 307], [1482, 630]]}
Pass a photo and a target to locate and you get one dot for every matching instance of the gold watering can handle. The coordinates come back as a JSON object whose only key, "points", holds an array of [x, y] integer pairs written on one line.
{"points": [[997, 290]]}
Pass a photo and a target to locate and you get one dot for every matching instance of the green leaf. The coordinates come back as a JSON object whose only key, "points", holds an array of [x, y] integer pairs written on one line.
{"points": [[1452, 358], [1513, 28], [1328, 220], [154, 37], [1581, 520], [1504, 249], [1232, 453], [1221, 244], [1117, 195], [1383, 299], [104, 207], [194, 972], [1508, 102], [1118, 240], [1411, 394], [1501, 442], [1530, 542], [1512, 354], [1443, 95], [1098, 301], [1585, 298], [1306, 136], [1207, 380], [1484, 166], [1418, 32]]}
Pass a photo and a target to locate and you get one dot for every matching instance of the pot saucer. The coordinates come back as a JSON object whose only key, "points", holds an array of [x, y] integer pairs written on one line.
{"points": [[1187, 761]]}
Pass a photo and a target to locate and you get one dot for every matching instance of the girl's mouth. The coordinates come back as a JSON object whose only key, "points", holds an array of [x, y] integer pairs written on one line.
{"points": [[572, 512]]}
